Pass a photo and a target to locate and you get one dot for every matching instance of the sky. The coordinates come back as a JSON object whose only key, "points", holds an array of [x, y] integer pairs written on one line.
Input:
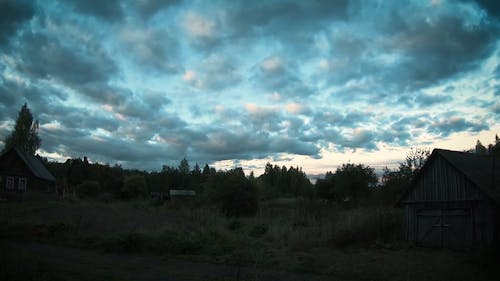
{"points": [[229, 83]]}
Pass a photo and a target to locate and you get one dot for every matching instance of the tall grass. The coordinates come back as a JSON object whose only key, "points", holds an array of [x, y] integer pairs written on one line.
{"points": [[278, 231], [16, 265]]}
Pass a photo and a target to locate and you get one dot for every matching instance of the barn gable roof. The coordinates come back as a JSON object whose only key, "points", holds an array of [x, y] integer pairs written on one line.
{"points": [[34, 164], [482, 170]]}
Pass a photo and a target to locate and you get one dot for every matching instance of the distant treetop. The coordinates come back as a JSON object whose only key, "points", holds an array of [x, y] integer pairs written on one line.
{"points": [[25, 135]]}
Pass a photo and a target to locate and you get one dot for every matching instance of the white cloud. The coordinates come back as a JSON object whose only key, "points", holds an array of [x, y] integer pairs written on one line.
{"points": [[199, 27], [294, 108], [189, 76], [272, 64]]}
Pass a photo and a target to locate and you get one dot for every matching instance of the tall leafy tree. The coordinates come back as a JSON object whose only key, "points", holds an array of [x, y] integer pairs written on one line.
{"points": [[353, 182], [480, 148], [394, 182], [25, 134], [184, 171], [494, 149]]}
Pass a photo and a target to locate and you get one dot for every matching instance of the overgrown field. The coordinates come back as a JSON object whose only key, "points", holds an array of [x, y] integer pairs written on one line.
{"points": [[298, 236]]}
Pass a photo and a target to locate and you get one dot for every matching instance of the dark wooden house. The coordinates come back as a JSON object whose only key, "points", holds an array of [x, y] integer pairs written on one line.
{"points": [[21, 172], [454, 201]]}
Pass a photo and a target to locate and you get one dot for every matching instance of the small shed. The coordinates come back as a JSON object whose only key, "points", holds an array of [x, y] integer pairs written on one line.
{"points": [[176, 194], [21, 172], [454, 201]]}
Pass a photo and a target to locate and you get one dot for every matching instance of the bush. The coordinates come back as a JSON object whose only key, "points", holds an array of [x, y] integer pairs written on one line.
{"points": [[88, 189], [130, 242], [239, 203], [180, 243], [234, 225], [134, 186], [258, 230], [16, 265], [367, 226], [233, 193]]}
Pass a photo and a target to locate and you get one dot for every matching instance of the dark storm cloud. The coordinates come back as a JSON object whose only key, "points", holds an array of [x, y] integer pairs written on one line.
{"points": [[441, 49], [288, 21], [429, 100], [46, 57], [104, 93], [422, 46], [398, 130], [109, 10], [152, 49], [148, 8], [332, 69], [216, 73], [9, 92], [155, 100], [292, 23], [274, 74], [79, 118], [102, 149], [13, 14], [492, 7], [447, 126], [40, 98], [222, 144], [345, 119], [496, 109]]}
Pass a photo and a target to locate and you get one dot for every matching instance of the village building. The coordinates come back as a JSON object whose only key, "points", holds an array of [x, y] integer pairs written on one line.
{"points": [[454, 201], [21, 172]]}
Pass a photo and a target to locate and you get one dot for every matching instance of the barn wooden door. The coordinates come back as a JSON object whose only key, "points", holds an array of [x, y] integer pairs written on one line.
{"points": [[444, 228]]}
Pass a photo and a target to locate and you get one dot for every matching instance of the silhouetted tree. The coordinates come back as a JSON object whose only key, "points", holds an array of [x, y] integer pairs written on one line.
{"points": [[394, 182], [325, 186], [134, 186], [414, 161], [480, 148], [280, 181], [184, 173], [353, 182], [232, 192], [184, 167], [25, 134], [494, 149], [88, 188]]}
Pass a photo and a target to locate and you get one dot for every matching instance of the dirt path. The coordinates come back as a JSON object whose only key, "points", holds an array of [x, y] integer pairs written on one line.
{"points": [[88, 265]]}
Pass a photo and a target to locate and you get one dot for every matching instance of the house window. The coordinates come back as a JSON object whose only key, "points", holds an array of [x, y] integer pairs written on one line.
{"points": [[9, 183], [22, 183]]}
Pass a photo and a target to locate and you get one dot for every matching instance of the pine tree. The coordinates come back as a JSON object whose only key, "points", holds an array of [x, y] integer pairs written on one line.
{"points": [[480, 148], [25, 134]]}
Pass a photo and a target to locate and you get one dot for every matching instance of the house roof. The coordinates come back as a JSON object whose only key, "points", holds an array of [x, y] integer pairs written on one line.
{"points": [[35, 165], [482, 170]]}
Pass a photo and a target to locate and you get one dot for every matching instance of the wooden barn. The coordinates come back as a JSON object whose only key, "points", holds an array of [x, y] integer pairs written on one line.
{"points": [[21, 173], [454, 201]]}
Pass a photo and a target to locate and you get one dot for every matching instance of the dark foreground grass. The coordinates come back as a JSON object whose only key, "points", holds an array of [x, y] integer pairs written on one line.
{"points": [[299, 236]]}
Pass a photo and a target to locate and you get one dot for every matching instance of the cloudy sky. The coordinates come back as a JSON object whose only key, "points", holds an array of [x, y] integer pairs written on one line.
{"points": [[240, 83]]}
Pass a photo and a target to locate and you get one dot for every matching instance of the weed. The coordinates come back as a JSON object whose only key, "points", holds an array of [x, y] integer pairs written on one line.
{"points": [[258, 230], [234, 225]]}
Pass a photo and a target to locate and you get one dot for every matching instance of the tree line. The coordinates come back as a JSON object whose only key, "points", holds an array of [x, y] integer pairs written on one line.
{"points": [[231, 190]]}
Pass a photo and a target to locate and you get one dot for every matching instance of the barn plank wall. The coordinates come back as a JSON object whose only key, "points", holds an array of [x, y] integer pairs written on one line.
{"points": [[443, 183], [442, 187]]}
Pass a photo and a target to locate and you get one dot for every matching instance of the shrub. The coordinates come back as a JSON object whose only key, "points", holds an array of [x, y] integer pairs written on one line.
{"points": [[239, 203], [134, 186], [88, 189], [15, 265], [367, 226], [258, 230], [233, 193], [180, 243], [234, 225], [129, 242]]}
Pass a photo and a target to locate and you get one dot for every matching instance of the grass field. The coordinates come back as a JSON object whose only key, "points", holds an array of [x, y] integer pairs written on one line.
{"points": [[286, 235]]}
